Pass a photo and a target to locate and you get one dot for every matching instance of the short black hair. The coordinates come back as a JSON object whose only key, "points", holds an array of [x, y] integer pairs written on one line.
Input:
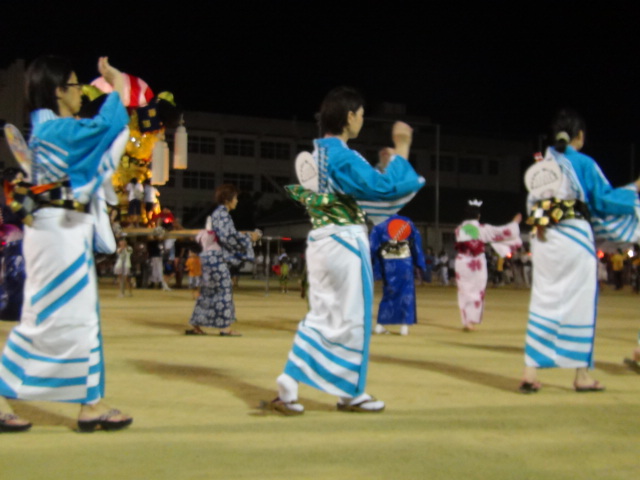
{"points": [[335, 109], [43, 76], [569, 122]]}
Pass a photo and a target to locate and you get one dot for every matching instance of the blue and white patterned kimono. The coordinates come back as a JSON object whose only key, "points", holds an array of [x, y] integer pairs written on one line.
{"points": [[214, 307], [562, 312], [55, 353], [395, 266], [331, 347]]}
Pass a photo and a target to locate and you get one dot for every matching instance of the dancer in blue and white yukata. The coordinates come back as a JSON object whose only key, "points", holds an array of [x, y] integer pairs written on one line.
{"points": [[55, 353], [331, 347], [570, 203], [396, 249]]}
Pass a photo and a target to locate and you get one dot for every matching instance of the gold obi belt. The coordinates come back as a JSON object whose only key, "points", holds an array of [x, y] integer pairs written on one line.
{"points": [[24, 199], [394, 250], [553, 210]]}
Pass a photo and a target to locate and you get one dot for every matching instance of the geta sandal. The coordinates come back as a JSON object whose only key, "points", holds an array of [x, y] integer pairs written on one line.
{"points": [[7, 425], [529, 387], [367, 405], [193, 331], [286, 408], [594, 387], [104, 422]]}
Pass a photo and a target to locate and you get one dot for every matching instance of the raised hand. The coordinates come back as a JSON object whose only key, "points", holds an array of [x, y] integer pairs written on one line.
{"points": [[402, 135], [111, 75]]}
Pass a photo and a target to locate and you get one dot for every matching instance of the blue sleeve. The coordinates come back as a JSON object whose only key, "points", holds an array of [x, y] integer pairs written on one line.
{"points": [[81, 138], [354, 176], [85, 142], [601, 197], [375, 240], [416, 249], [228, 237]]}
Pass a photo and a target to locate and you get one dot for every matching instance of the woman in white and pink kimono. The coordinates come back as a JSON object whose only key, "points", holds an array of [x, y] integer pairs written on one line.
{"points": [[471, 264]]}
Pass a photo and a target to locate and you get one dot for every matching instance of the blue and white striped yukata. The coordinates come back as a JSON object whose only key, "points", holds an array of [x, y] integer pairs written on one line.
{"points": [[331, 347], [55, 353], [562, 311]]}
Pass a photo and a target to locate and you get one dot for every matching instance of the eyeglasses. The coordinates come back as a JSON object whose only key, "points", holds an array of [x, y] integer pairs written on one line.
{"points": [[79, 85]]}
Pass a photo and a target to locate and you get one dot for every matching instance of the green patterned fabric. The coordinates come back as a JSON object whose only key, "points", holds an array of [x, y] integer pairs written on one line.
{"points": [[327, 208]]}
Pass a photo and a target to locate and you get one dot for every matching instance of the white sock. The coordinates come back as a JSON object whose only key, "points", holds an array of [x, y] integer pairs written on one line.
{"points": [[365, 400], [380, 328], [287, 388], [404, 330]]}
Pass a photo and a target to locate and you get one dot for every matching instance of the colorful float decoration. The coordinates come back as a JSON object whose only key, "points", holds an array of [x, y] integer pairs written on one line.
{"points": [[147, 153]]}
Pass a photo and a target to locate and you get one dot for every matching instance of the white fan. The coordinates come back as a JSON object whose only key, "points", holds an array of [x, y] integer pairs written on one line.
{"points": [[307, 171], [19, 148], [544, 178]]}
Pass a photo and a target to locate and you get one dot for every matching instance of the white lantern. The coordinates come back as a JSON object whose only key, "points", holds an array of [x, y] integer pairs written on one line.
{"points": [[165, 154], [180, 147], [159, 172]]}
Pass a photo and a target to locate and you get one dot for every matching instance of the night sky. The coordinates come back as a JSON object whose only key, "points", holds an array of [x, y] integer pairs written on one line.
{"points": [[497, 67]]}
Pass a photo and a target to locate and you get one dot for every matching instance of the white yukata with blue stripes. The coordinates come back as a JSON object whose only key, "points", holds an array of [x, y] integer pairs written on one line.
{"points": [[564, 294], [331, 347], [55, 353]]}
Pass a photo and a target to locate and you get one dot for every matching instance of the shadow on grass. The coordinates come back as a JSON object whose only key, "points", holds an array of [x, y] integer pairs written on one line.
{"points": [[490, 348], [40, 416], [251, 394], [499, 382]]}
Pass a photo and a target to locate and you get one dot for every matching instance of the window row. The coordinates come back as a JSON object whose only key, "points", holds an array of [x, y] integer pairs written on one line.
{"points": [[239, 147], [200, 180], [466, 165]]}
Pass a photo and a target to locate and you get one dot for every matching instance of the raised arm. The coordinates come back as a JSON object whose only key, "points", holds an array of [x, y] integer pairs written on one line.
{"points": [[112, 75]]}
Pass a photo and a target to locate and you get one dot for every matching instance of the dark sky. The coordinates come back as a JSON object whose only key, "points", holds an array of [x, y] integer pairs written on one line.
{"points": [[495, 66]]}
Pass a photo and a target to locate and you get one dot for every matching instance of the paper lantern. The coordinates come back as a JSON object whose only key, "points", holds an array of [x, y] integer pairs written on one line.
{"points": [[180, 143], [160, 163], [165, 155]]}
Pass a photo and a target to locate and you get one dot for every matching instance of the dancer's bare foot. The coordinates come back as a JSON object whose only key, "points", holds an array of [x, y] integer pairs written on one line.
{"points": [[196, 330], [227, 332], [585, 382], [10, 422], [101, 417], [90, 412]]}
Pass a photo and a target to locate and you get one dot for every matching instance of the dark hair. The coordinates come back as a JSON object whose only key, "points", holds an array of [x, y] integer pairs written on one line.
{"points": [[567, 123], [335, 109], [44, 75], [471, 212], [10, 173], [225, 193]]}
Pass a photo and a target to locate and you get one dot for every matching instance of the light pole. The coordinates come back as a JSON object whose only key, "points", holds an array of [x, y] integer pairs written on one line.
{"points": [[437, 186]]}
